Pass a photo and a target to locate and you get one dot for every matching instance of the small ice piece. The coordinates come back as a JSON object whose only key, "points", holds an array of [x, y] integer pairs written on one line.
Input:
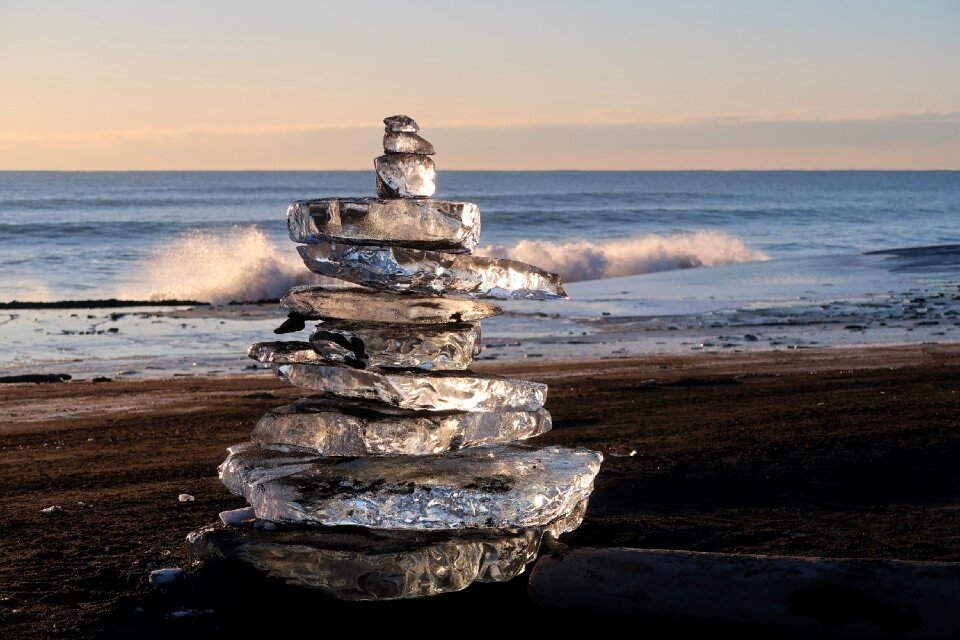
{"points": [[405, 175], [165, 576], [493, 487], [54, 510], [419, 224], [236, 516], [333, 427], [434, 391], [366, 305], [399, 269], [401, 124], [185, 497], [396, 142]]}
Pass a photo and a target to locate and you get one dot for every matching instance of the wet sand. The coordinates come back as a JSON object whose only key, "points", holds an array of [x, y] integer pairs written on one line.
{"points": [[847, 452]]}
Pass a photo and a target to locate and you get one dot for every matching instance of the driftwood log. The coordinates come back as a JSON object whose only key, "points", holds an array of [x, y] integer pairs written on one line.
{"points": [[855, 597]]}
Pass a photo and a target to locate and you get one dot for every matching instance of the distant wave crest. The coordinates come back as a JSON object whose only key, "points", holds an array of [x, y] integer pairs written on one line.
{"points": [[241, 265], [585, 260]]}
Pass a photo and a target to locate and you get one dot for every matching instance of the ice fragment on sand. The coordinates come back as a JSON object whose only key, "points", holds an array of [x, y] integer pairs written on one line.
{"points": [[236, 516], [165, 576]]}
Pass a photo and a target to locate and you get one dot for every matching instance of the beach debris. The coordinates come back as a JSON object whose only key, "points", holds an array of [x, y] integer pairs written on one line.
{"points": [[863, 598], [165, 576], [188, 613], [38, 378], [404, 476], [185, 497], [54, 510]]}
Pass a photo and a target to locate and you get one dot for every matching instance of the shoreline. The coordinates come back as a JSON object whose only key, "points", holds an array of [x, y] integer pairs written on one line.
{"points": [[824, 452]]}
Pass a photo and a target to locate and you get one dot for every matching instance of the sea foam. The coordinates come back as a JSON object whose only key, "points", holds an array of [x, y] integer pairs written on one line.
{"points": [[649, 253], [239, 265]]}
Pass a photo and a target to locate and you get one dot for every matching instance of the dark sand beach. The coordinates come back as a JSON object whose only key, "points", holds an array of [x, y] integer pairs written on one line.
{"points": [[847, 452]]}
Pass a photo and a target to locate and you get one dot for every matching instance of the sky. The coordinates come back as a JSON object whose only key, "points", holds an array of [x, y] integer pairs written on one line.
{"points": [[602, 84]]}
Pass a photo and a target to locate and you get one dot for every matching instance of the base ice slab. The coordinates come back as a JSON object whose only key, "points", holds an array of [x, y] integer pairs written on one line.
{"points": [[495, 487], [351, 563], [439, 225], [367, 305], [434, 391], [337, 428], [400, 269]]}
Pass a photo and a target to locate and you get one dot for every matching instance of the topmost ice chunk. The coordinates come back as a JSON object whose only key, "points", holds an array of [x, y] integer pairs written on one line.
{"points": [[401, 124]]}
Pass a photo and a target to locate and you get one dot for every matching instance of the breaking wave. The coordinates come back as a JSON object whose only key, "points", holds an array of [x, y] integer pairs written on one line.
{"points": [[245, 265], [585, 260], [240, 265]]}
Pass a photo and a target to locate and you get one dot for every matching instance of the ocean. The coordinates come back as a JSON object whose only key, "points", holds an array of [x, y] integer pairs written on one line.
{"points": [[683, 256], [220, 236]]}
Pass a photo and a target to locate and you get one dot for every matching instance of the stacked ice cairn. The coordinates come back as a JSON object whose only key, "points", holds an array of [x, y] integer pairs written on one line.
{"points": [[404, 475]]}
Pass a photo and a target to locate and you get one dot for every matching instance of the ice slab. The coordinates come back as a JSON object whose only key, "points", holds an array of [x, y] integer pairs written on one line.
{"points": [[421, 224], [401, 269], [405, 175], [435, 347], [342, 428], [434, 391], [352, 563], [366, 305], [493, 487], [398, 142]]}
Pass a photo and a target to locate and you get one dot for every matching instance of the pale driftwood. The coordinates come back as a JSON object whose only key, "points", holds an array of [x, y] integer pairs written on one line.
{"points": [[910, 599]]}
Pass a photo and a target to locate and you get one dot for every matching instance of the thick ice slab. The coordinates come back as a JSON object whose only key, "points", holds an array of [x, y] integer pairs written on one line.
{"points": [[351, 563], [405, 175], [438, 347], [434, 391], [396, 142], [401, 269], [494, 487], [330, 427], [401, 123], [365, 305], [419, 224]]}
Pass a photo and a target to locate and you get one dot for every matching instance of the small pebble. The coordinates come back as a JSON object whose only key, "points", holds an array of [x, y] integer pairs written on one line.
{"points": [[185, 497], [52, 511]]}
